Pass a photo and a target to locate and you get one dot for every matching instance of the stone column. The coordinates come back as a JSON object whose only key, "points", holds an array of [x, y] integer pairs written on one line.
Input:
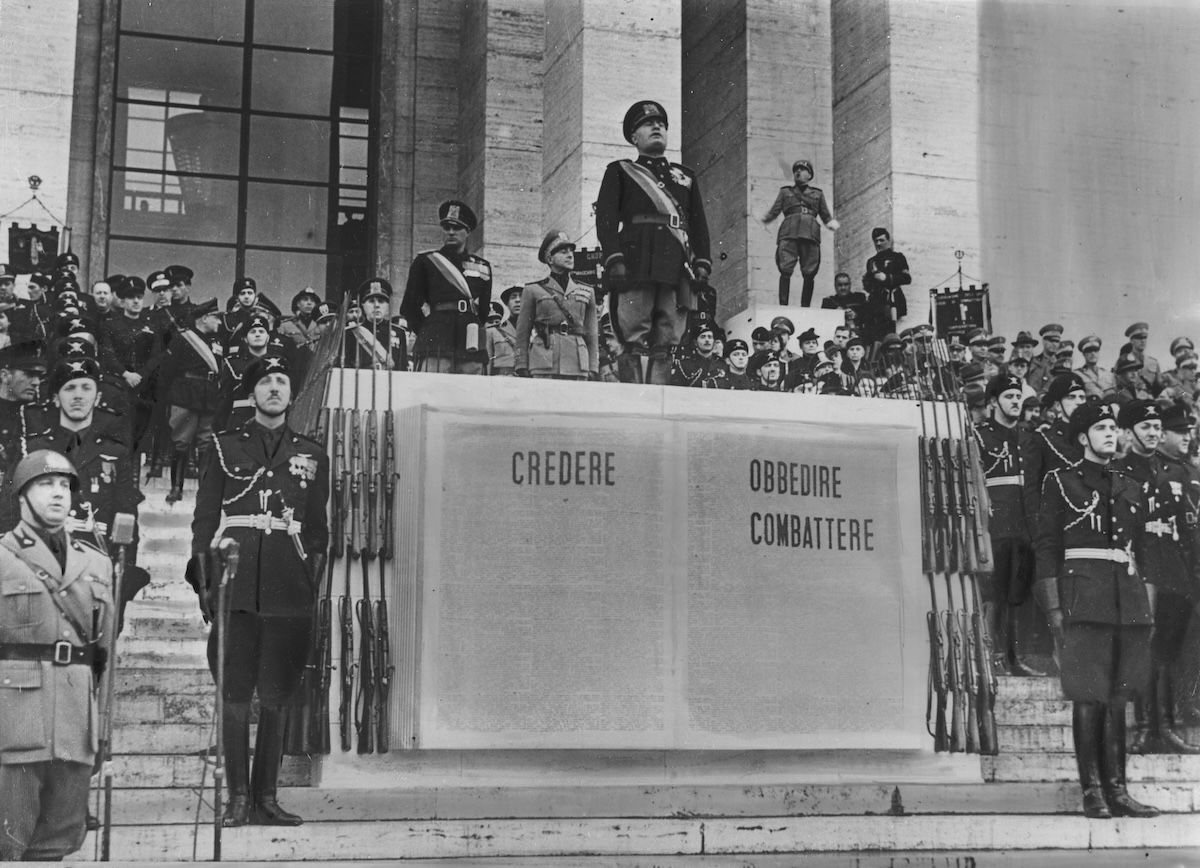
{"points": [[756, 98], [500, 126], [906, 129], [601, 56]]}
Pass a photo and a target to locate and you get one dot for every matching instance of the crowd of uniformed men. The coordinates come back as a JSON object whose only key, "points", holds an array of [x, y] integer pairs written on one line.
{"points": [[132, 374]]}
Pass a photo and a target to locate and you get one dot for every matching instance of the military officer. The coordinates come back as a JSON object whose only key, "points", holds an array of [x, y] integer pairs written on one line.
{"points": [[372, 340], [22, 369], [56, 589], [886, 275], [188, 382], [236, 403], [699, 367], [8, 282], [265, 486], [804, 211], [1052, 447], [501, 341], [302, 326], [652, 230], [1088, 547], [1168, 558], [557, 331], [246, 302], [1098, 382], [1039, 375], [455, 287], [136, 348], [737, 358], [31, 318], [1001, 446], [1150, 375]]}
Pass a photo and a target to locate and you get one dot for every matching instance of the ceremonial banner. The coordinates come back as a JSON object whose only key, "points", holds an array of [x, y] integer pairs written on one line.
{"points": [[580, 580]]}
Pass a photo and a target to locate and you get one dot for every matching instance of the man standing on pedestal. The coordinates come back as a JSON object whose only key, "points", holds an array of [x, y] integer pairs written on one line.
{"points": [[886, 273], [448, 297], [1099, 608], [652, 230], [804, 209]]}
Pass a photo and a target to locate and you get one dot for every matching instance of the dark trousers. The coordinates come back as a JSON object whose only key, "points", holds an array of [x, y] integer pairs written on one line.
{"points": [[43, 810]]}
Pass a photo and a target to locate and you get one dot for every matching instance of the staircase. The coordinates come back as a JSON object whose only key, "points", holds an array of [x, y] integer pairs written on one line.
{"points": [[1027, 799]]}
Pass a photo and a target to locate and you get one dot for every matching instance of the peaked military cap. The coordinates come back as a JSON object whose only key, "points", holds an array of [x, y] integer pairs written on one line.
{"points": [[327, 310], [1181, 343], [1088, 415], [179, 273], [6, 273], [204, 309], [890, 342], [25, 356], [972, 371], [307, 292], [375, 287], [458, 213], [1127, 362], [974, 336], [997, 343], [1051, 328], [803, 164], [130, 287], [1178, 417], [639, 113], [782, 322], [1089, 343], [1138, 330], [157, 281], [268, 364], [73, 368], [1063, 385], [554, 241]]}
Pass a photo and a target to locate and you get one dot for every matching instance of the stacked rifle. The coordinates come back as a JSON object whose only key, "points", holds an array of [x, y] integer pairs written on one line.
{"points": [[955, 549], [361, 438]]}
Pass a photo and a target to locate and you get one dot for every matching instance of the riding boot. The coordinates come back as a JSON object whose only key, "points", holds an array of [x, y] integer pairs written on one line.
{"points": [[629, 367], [178, 465], [1015, 640], [1112, 759], [785, 288], [996, 618], [1146, 720], [268, 755], [1169, 740], [1086, 731], [236, 730], [806, 290]]}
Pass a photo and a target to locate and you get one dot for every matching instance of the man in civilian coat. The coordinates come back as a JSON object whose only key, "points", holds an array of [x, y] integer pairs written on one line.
{"points": [[266, 487]]}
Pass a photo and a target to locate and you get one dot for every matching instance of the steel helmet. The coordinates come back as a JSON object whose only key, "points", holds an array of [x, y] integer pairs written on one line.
{"points": [[43, 462]]}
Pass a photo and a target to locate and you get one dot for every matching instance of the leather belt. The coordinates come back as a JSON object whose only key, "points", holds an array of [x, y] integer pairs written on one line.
{"points": [[262, 521], [1119, 556], [996, 481], [461, 306], [60, 653], [562, 328], [1161, 528], [671, 220]]}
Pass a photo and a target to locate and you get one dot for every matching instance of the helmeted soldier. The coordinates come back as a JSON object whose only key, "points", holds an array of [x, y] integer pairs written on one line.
{"points": [[1001, 448], [455, 287], [372, 340], [267, 487], [188, 380], [652, 229], [804, 211], [1089, 543], [1168, 561], [56, 590], [557, 331]]}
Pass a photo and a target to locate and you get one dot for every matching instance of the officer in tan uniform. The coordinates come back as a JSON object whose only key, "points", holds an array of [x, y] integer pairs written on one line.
{"points": [[55, 591], [804, 210], [557, 335]]}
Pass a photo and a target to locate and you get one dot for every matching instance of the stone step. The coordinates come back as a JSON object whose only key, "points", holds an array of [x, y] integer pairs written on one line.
{"points": [[167, 584], [159, 771], [345, 841], [168, 708], [150, 806], [171, 653], [164, 520], [175, 543], [165, 737], [1160, 768], [134, 683], [175, 619], [1010, 687]]}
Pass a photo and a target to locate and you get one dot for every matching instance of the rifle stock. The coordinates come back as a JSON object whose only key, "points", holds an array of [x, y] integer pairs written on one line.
{"points": [[954, 669], [937, 681]]}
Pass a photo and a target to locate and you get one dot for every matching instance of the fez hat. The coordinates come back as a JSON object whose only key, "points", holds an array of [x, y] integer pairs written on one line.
{"points": [[458, 213], [75, 346], [74, 368], [639, 113], [1127, 362], [307, 292], [1086, 416], [40, 278], [179, 273], [158, 280], [1063, 385], [760, 334], [808, 335], [1004, 383], [272, 363], [555, 240], [75, 325], [244, 283], [65, 259], [734, 345], [375, 287], [1138, 411], [258, 321]]}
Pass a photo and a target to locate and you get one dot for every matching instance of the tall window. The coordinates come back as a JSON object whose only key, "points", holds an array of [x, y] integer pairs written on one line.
{"points": [[242, 133]]}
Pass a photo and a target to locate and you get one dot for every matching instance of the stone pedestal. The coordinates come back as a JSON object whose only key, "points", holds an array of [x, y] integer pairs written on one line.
{"points": [[756, 97], [906, 128], [601, 56]]}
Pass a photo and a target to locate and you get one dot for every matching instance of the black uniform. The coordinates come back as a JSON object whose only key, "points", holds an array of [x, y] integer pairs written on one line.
{"points": [[697, 371], [884, 298], [135, 347], [457, 288], [1048, 448], [1000, 452], [382, 345]]}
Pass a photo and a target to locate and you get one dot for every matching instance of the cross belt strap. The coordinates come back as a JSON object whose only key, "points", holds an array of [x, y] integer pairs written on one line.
{"points": [[262, 521], [996, 481], [1119, 556], [59, 653]]}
